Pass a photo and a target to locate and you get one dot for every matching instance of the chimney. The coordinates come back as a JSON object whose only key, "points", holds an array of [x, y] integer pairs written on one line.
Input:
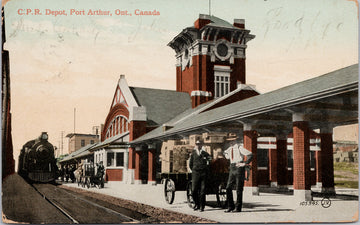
{"points": [[240, 23], [202, 21]]}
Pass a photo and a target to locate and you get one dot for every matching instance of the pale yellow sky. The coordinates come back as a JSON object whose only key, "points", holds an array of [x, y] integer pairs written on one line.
{"points": [[66, 62]]}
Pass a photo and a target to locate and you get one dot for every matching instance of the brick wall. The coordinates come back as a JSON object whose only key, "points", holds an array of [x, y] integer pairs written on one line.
{"points": [[114, 175], [238, 73], [137, 129]]}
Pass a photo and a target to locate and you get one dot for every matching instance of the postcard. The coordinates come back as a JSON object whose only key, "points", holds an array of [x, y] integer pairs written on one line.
{"points": [[202, 111]]}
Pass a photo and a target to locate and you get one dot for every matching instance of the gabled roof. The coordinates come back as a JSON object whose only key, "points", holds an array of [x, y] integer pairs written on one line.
{"points": [[161, 105], [330, 84]]}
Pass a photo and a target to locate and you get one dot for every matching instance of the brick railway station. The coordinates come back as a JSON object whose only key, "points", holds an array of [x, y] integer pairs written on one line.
{"points": [[149, 133]]}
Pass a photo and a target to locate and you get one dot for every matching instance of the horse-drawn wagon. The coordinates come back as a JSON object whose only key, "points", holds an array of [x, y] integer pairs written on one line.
{"points": [[89, 177]]}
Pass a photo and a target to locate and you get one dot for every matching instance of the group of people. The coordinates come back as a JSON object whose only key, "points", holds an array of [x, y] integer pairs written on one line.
{"points": [[69, 171], [199, 162]]}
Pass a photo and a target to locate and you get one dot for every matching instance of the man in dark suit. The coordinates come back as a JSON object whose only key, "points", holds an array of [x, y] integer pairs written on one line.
{"points": [[199, 165]]}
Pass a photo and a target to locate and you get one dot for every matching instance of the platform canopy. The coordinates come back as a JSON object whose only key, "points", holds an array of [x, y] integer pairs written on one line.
{"points": [[328, 101]]}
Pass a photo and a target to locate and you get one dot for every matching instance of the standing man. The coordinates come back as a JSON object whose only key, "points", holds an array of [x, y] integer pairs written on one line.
{"points": [[199, 165], [100, 170], [236, 153]]}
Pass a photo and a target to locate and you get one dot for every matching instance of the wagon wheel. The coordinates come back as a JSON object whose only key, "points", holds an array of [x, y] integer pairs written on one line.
{"points": [[189, 196], [221, 196], [169, 191]]}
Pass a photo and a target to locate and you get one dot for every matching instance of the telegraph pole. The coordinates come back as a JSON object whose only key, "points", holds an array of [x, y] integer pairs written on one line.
{"points": [[62, 143], [74, 118], [209, 7]]}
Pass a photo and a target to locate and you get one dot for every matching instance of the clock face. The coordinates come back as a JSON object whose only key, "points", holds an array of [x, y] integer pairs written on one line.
{"points": [[222, 49]]}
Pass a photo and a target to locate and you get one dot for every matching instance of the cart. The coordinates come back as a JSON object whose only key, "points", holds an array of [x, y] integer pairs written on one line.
{"points": [[216, 184], [89, 178]]}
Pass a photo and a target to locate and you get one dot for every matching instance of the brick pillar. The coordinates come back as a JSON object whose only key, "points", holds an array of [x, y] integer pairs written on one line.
{"points": [[318, 168], [151, 166], [273, 167], [327, 161], [136, 129], [131, 158], [137, 167], [301, 152], [250, 143], [282, 176]]}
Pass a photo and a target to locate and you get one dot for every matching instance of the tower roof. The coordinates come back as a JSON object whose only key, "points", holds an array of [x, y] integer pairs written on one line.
{"points": [[217, 22], [211, 28]]}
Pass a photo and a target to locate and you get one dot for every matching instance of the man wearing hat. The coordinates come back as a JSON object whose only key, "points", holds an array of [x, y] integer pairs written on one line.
{"points": [[236, 153], [199, 165]]}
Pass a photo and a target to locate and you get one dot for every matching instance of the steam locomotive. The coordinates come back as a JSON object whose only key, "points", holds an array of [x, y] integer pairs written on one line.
{"points": [[37, 162]]}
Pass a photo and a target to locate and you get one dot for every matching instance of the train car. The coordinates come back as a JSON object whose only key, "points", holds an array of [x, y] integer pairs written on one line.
{"points": [[37, 162]]}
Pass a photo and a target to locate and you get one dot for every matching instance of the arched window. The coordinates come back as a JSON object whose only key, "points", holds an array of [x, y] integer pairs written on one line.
{"points": [[117, 126]]}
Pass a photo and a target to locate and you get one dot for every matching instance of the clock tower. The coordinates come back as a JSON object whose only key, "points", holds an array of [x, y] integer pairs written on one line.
{"points": [[210, 58]]}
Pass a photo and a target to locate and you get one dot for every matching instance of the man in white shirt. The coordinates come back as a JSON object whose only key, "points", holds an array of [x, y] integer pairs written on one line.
{"points": [[236, 154]]}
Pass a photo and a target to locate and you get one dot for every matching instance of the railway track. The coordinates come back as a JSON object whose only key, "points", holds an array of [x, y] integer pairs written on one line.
{"points": [[83, 210]]}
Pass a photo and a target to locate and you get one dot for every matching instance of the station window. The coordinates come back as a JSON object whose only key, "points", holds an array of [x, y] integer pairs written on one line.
{"points": [[119, 159], [82, 143], [92, 141], [110, 159]]}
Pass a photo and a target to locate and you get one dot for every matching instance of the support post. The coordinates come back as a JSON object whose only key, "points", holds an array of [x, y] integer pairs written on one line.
{"points": [[301, 152], [137, 167], [327, 160], [151, 166], [250, 143], [282, 176]]}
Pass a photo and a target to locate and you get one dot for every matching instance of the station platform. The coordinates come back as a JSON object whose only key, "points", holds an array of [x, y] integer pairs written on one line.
{"points": [[267, 207]]}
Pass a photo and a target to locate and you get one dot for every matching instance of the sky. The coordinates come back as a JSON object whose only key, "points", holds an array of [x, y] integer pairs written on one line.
{"points": [[62, 62]]}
